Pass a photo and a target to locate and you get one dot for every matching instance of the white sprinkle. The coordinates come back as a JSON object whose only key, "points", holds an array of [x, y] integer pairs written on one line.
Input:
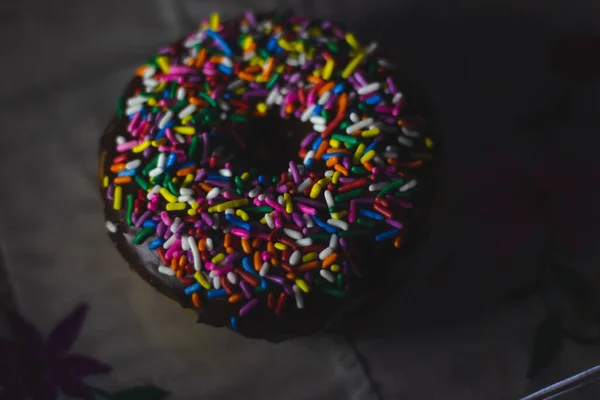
{"points": [[371, 48], [359, 125], [343, 225], [292, 233], [264, 269], [376, 187], [308, 220], [280, 200], [370, 88], [388, 154], [304, 242], [354, 117], [180, 138], [165, 119], [211, 274], [279, 99], [405, 141], [307, 113], [377, 160], [175, 225], [271, 97], [216, 221], [304, 185], [180, 93], [120, 140], [133, 164], [269, 221], [232, 277], [169, 242], [326, 251], [235, 84], [318, 120], [226, 61], [298, 296], [292, 62], [329, 173], [166, 270], [333, 241], [329, 198], [136, 101], [216, 282], [302, 61], [319, 128], [324, 98], [149, 72], [112, 228], [195, 253], [397, 97], [186, 191], [310, 154], [254, 192], [187, 111], [155, 189], [410, 132], [295, 258], [155, 172], [151, 82], [162, 160], [225, 172], [214, 192], [209, 244], [230, 211], [262, 197], [327, 275], [407, 186], [133, 110], [185, 245]]}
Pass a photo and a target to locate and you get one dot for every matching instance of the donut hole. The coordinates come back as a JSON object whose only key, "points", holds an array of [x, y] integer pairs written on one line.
{"points": [[271, 142]]}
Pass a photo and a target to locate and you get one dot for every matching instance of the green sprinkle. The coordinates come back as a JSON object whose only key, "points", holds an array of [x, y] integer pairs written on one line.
{"points": [[262, 209], [129, 208], [179, 106], [320, 236], [142, 182], [344, 125], [340, 280], [239, 191], [172, 188], [391, 187], [239, 118], [193, 147], [206, 97], [345, 138], [348, 195], [238, 181], [272, 81], [120, 105], [366, 222], [327, 288], [404, 195], [358, 169], [331, 46], [143, 235], [173, 89]]}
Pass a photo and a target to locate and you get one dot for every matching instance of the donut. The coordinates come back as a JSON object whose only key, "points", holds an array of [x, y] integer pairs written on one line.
{"points": [[263, 170]]}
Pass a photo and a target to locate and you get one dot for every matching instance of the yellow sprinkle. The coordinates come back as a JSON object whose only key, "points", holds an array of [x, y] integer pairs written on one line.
{"points": [[187, 119], [168, 196], [336, 177], [243, 215], [263, 220], [280, 69], [302, 285], [428, 142], [260, 79], [185, 130], [280, 246], [214, 21], [118, 197], [141, 147], [188, 179], [245, 176], [368, 156], [352, 65], [335, 268], [161, 86], [194, 204], [105, 182], [247, 42], [328, 69], [256, 61], [317, 73], [335, 143], [352, 40], [202, 280], [229, 204], [240, 91], [339, 215], [192, 212], [371, 132], [151, 102], [315, 191], [218, 258], [174, 180], [310, 257], [323, 181], [163, 64], [261, 107], [159, 142], [359, 152], [285, 45], [176, 206]]}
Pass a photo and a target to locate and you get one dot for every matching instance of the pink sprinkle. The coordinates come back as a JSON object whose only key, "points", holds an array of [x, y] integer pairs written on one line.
{"points": [[133, 122], [275, 204], [307, 209], [223, 269], [164, 216], [240, 232], [174, 247], [126, 146], [265, 256]]}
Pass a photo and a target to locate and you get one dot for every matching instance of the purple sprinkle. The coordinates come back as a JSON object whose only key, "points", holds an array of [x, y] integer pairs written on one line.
{"points": [[311, 202], [143, 218], [160, 229], [110, 192], [222, 184], [248, 307], [277, 279], [394, 223], [246, 289]]}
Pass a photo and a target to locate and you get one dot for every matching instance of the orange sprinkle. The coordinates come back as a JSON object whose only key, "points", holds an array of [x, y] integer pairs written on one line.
{"points": [[257, 261], [308, 266], [291, 276], [201, 58], [230, 250], [182, 261], [334, 150], [141, 70], [313, 79], [368, 166], [234, 298], [322, 147], [398, 242], [227, 240], [332, 161], [216, 59], [174, 264], [206, 187], [197, 101], [326, 88], [186, 171], [246, 76], [275, 261], [341, 169], [256, 243], [329, 260], [246, 246], [289, 108], [271, 247], [268, 67], [196, 299], [250, 48], [117, 167], [179, 273], [342, 104], [120, 180], [202, 244], [253, 69]]}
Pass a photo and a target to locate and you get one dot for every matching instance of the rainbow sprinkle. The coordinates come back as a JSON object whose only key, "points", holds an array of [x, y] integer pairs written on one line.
{"points": [[238, 236]]}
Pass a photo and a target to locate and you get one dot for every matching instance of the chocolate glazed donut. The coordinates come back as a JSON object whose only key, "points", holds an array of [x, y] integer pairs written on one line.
{"points": [[263, 171]]}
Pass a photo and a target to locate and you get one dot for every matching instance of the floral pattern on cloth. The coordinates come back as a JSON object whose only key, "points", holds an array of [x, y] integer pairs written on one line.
{"points": [[35, 368]]}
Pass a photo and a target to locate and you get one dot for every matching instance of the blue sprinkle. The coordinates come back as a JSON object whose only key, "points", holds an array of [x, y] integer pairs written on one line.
{"points": [[308, 162], [387, 235], [166, 94], [339, 88], [225, 69], [187, 164], [156, 243], [220, 41], [191, 289], [370, 147], [317, 143], [171, 160], [126, 172], [246, 264], [216, 293], [234, 323], [372, 214], [170, 124], [373, 100], [237, 222], [227, 96], [149, 224], [160, 134], [271, 44], [330, 155], [217, 177], [328, 228], [263, 284], [262, 179], [317, 110]]}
